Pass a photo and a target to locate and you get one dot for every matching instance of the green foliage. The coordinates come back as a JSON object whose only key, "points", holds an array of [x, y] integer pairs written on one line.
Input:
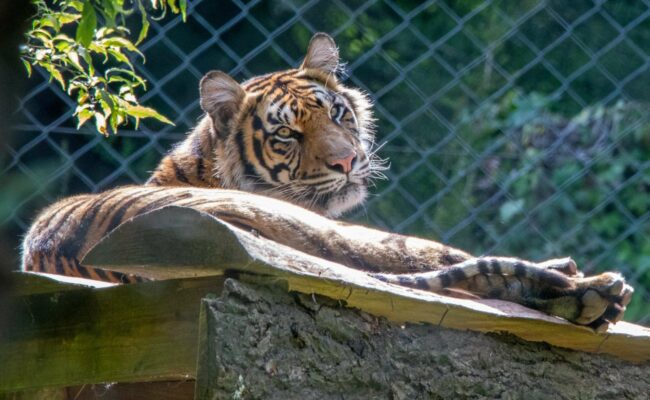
{"points": [[85, 46]]}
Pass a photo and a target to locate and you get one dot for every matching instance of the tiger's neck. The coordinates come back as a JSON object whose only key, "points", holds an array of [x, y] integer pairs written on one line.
{"points": [[192, 162]]}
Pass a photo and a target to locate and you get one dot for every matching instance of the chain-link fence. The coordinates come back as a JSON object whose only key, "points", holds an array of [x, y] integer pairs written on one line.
{"points": [[514, 128]]}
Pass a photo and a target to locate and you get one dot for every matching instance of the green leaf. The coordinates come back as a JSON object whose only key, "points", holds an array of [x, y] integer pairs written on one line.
{"points": [[83, 115], [62, 43], [173, 6], [87, 24], [118, 78], [144, 31], [73, 56], [136, 78], [183, 6], [66, 18], [113, 121], [109, 11], [119, 42], [76, 4], [99, 50], [54, 73], [28, 67], [42, 34], [106, 101], [100, 123], [145, 112], [88, 59], [119, 56]]}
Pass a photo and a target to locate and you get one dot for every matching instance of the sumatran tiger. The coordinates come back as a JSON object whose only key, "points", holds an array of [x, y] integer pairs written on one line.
{"points": [[283, 153]]}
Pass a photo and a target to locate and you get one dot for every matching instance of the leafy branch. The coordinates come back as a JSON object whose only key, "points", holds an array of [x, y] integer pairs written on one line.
{"points": [[84, 45]]}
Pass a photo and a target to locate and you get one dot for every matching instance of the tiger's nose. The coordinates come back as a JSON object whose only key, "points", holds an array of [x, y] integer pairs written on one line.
{"points": [[344, 163]]}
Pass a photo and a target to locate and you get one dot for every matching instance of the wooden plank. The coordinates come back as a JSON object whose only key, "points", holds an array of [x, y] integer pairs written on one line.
{"points": [[164, 390], [172, 243], [168, 390], [247, 252], [28, 282], [126, 333], [38, 394]]}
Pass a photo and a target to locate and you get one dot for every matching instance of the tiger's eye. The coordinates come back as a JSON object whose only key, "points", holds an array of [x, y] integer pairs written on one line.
{"points": [[284, 131], [334, 111]]}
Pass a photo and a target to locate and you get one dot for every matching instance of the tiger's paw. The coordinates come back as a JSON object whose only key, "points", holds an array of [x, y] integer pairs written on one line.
{"points": [[602, 300], [595, 302]]}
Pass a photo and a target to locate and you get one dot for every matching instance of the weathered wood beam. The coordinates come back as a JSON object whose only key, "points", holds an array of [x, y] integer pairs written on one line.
{"points": [[190, 243], [160, 390], [67, 335]]}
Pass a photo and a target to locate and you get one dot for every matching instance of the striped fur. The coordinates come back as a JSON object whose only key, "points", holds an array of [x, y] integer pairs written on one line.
{"points": [[283, 135], [461, 273], [280, 154], [65, 232]]}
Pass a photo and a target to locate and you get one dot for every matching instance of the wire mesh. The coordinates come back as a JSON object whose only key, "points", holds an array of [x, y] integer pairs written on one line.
{"points": [[513, 128]]}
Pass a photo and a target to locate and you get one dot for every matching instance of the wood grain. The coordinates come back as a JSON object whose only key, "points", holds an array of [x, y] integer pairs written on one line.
{"points": [[233, 248], [74, 336]]}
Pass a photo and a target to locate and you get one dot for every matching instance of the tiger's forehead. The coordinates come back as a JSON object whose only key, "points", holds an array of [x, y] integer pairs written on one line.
{"points": [[287, 97]]}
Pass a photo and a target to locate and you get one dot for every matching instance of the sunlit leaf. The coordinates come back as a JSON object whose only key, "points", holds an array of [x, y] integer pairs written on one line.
{"points": [[93, 47], [40, 54], [107, 97], [173, 6], [28, 67], [83, 115], [145, 112], [73, 56], [66, 18], [42, 34], [183, 6], [106, 101], [78, 5], [121, 42], [100, 123], [113, 121], [87, 24], [131, 74], [55, 74], [119, 56], [144, 31]]}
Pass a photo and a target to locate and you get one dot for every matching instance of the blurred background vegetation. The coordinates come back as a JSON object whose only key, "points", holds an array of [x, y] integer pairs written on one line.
{"points": [[513, 128]]}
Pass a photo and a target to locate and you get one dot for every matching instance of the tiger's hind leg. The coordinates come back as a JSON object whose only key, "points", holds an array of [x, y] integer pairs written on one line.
{"points": [[555, 287]]}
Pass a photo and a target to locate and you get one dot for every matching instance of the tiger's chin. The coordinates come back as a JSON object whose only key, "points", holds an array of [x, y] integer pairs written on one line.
{"points": [[350, 196], [331, 205]]}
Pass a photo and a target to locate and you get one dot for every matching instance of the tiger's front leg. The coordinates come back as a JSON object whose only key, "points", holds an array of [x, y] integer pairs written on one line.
{"points": [[555, 287]]}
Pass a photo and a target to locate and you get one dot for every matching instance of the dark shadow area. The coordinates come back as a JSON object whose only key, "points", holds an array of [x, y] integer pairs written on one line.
{"points": [[13, 16]]}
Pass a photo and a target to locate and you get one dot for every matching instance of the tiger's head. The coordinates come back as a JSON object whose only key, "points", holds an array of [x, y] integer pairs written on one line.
{"points": [[298, 135]]}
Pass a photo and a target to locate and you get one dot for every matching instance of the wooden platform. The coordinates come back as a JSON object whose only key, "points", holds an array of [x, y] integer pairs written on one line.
{"points": [[74, 333]]}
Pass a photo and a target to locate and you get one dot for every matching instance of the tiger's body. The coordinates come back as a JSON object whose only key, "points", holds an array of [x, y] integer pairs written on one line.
{"points": [[281, 153]]}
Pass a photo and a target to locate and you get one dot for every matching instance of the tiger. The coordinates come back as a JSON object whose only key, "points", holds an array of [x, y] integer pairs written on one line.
{"points": [[282, 155]]}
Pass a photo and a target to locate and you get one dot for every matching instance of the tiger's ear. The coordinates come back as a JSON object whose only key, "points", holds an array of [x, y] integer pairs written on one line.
{"points": [[322, 54], [221, 97]]}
